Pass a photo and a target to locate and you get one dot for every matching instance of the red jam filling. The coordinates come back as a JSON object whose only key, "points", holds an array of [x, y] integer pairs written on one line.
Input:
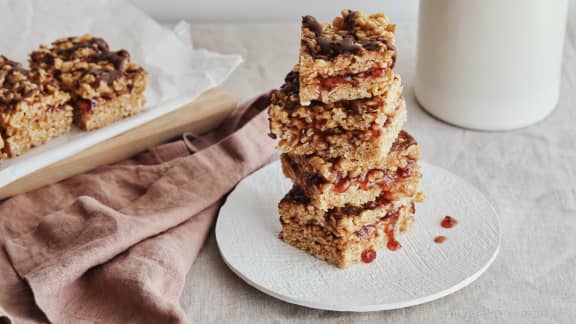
{"points": [[87, 106], [391, 218], [331, 82], [364, 181], [342, 185]]}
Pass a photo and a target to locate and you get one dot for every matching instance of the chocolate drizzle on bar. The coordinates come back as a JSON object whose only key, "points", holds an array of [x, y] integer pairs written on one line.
{"points": [[15, 83], [292, 82], [348, 44], [325, 47], [101, 52], [97, 44], [118, 59], [312, 24], [296, 195], [349, 20], [403, 141], [84, 50]]}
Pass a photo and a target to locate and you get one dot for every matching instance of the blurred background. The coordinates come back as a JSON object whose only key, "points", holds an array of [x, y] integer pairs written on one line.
{"points": [[265, 11]]}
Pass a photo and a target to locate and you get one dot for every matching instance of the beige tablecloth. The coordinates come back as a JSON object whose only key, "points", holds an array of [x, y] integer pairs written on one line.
{"points": [[529, 174]]}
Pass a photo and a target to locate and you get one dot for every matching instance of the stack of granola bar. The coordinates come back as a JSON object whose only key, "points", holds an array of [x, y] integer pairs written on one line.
{"points": [[339, 118]]}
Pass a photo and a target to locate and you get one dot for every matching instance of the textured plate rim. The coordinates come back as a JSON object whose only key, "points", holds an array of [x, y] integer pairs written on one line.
{"points": [[373, 307]]}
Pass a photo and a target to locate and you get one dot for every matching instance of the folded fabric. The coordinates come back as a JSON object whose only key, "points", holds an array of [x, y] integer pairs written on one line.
{"points": [[114, 245]]}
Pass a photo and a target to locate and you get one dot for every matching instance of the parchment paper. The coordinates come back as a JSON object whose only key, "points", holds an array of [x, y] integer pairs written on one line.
{"points": [[178, 72]]}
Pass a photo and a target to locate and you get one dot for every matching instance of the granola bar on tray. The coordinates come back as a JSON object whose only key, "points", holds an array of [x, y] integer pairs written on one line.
{"points": [[105, 85], [31, 112]]}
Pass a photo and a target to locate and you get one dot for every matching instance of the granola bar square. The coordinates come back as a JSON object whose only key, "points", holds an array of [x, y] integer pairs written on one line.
{"points": [[362, 129], [105, 85], [31, 112], [350, 58], [337, 182], [347, 235]]}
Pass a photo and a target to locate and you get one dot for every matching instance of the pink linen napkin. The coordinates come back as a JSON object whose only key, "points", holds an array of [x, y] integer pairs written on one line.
{"points": [[114, 245]]}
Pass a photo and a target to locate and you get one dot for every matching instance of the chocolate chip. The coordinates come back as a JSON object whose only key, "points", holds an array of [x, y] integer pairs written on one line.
{"points": [[118, 59], [297, 195], [347, 45], [291, 105], [326, 46], [291, 82], [95, 42], [332, 48], [314, 179], [312, 24], [349, 20], [371, 45]]}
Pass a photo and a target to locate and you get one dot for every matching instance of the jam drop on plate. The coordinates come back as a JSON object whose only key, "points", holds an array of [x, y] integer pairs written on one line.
{"points": [[368, 255], [448, 222], [393, 245], [440, 239]]}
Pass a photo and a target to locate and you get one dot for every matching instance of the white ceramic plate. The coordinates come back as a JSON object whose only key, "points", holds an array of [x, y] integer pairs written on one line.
{"points": [[419, 272]]}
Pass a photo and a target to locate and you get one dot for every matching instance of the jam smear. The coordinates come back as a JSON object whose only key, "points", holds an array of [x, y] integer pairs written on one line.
{"points": [[365, 184], [331, 82], [385, 182], [439, 239], [406, 171], [368, 255], [393, 245], [342, 185], [391, 218], [87, 106], [448, 222], [374, 72]]}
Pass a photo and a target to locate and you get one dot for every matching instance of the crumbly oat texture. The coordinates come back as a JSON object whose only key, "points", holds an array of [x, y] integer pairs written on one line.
{"points": [[359, 129], [339, 182], [296, 207], [404, 151], [358, 190], [105, 85], [353, 242], [31, 113], [348, 59], [286, 112]]}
